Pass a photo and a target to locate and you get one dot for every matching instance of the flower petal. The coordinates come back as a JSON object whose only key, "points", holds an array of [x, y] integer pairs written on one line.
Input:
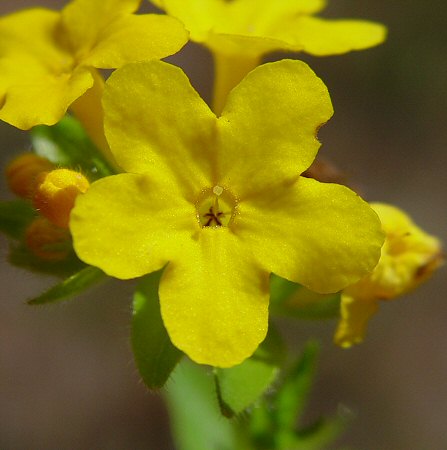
{"points": [[322, 37], [199, 16], [125, 224], [136, 38], [32, 32], [269, 124], [38, 96], [214, 300], [252, 18], [155, 121], [37, 82], [84, 20], [322, 236], [241, 17]]}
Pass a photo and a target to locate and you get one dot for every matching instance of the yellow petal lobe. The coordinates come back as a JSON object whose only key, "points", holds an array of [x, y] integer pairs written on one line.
{"points": [[321, 37], [130, 225], [168, 128], [272, 124], [320, 235], [214, 299]]}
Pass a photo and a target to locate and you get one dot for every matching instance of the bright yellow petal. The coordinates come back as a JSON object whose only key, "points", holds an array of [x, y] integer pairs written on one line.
{"points": [[355, 314], [253, 18], [269, 124], [136, 38], [130, 225], [320, 235], [155, 121], [199, 16], [33, 32], [85, 20], [239, 17], [39, 96], [214, 300], [323, 37], [37, 77]]}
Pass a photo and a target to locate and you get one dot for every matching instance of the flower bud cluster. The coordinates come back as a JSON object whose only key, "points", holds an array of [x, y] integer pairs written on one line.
{"points": [[53, 192]]}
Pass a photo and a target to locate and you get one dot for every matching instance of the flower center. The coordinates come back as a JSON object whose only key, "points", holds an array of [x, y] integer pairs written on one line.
{"points": [[216, 207]]}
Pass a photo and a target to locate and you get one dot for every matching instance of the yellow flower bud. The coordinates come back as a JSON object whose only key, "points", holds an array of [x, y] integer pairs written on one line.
{"points": [[55, 194], [48, 241], [408, 257], [22, 171]]}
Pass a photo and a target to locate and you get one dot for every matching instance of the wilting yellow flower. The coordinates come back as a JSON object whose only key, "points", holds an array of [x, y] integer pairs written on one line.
{"points": [[409, 257], [240, 32], [55, 194], [220, 203], [48, 58]]}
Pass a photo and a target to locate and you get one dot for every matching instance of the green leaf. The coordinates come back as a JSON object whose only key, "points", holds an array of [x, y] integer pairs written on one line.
{"points": [[293, 300], [241, 386], [15, 216], [66, 144], [154, 353], [195, 417], [20, 256], [73, 285]]}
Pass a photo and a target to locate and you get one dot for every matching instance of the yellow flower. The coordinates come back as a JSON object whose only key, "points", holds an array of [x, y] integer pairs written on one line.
{"points": [[409, 256], [240, 32], [48, 58], [220, 203]]}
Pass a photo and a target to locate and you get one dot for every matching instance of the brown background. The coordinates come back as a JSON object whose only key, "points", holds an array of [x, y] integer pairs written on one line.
{"points": [[67, 378]]}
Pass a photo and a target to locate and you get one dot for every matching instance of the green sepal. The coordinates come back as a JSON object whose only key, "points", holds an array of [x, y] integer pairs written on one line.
{"points": [[155, 355], [241, 386], [66, 144], [323, 432], [73, 285], [196, 421], [293, 300], [15, 216], [21, 256]]}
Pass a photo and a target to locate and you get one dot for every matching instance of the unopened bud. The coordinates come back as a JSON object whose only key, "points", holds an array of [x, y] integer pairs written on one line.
{"points": [[48, 241], [56, 192], [21, 173]]}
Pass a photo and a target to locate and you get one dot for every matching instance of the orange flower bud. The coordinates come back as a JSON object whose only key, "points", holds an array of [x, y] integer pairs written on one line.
{"points": [[22, 171], [55, 194], [48, 241]]}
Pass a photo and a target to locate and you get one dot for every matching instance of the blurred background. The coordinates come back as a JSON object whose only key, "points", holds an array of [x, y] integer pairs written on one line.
{"points": [[67, 377]]}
